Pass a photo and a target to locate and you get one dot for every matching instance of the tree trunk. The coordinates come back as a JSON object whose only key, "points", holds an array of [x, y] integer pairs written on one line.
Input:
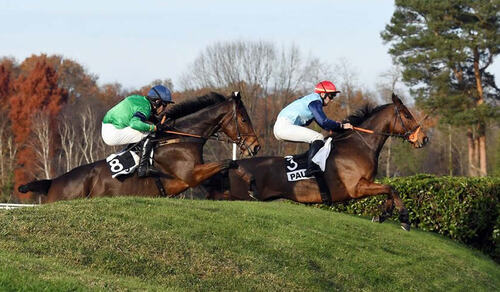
{"points": [[476, 155], [481, 140], [450, 157], [482, 150], [477, 75], [471, 152]]}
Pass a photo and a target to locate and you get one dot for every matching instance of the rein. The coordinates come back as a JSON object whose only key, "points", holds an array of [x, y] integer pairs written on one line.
{"points": [[214, 136], [408, 135]]}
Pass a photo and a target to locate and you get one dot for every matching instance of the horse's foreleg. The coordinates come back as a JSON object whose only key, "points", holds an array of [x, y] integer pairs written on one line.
{"points": [[366, 188], [173, 187]]}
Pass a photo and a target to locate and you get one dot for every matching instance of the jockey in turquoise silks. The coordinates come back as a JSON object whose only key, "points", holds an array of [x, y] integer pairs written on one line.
{"points": [[291, 121], [128, 122]]}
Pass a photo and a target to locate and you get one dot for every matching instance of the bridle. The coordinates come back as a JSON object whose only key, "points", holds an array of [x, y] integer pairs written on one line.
{"points": [[408, 135], [240, 141]]}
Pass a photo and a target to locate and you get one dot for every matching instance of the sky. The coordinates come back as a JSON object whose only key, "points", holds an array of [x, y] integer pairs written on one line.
{"points": [[136, 42]]}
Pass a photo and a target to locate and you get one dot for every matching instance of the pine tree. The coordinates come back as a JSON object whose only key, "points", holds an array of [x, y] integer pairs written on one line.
{"points": [[445, 48]]}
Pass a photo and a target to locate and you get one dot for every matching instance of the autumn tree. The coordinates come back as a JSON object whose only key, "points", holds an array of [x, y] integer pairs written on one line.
{"points": [[35, 91], [41, 143], [145, 89], [7, 146]]}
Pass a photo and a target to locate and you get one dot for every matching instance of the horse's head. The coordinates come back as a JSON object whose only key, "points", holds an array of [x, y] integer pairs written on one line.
{"points": [[405, 124], [237, 125]]}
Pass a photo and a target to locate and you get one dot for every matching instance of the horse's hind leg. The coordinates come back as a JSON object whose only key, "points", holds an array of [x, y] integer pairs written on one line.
{"points": [[386, 208], [366, 188]]}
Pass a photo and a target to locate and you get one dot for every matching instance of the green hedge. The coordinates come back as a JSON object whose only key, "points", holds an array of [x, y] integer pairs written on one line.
{"points": [[462, 208]]}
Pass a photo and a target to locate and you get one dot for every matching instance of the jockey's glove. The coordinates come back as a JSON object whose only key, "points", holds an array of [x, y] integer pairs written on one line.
{"points": [[346, 126]]}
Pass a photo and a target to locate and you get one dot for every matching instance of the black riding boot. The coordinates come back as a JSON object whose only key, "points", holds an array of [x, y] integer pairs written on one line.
{"points": [[312, 167], [145, 168]]}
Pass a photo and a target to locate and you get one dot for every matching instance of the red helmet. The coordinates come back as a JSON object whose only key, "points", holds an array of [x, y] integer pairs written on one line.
{"points": [[326, 87]]}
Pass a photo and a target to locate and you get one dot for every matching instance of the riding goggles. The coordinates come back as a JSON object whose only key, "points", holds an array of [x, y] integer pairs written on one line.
{"points": [[331, 95]]}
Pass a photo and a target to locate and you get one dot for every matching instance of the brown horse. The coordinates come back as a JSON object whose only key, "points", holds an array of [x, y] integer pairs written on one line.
{"points": [[179, 157], [350, 168]]}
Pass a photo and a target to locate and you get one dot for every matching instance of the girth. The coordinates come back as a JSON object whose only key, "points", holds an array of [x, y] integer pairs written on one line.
{"points": [[160, 187], [326, 197]]}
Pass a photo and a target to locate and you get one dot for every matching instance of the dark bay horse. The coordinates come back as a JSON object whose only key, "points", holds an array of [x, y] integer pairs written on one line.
{"points": [[350, 167], [179, 157]]}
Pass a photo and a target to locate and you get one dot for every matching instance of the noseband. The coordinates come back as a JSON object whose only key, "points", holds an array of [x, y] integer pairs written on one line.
{"points": [[408, 135]]}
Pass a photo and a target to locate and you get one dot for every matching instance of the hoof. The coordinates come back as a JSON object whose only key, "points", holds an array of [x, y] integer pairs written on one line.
{"points": [[378, 218], [252, 195], [23, 189], [405, 226]]}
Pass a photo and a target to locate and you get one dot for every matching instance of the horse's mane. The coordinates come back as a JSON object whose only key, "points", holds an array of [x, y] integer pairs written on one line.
{"points": [[193, 105], [363, 113]]}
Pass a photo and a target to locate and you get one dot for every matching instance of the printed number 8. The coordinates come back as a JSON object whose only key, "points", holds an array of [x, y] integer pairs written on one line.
{"points": [[116, 166]]}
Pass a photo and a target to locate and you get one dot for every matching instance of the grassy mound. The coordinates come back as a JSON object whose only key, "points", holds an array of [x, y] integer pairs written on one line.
{"points": [[133, 243]]}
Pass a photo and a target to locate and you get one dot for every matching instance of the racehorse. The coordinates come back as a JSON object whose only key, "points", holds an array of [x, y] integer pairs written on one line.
{"points": [[350, 167], [178, 156]]}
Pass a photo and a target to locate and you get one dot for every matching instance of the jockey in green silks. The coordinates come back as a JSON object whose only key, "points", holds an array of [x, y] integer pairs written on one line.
{"points": [[128, 122]]}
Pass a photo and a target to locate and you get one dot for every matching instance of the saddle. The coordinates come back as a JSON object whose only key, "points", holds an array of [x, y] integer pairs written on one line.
{"points": [[124, 163], [296, 165]]}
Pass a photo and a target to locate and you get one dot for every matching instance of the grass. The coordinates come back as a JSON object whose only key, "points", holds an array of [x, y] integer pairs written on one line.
{"points": [[169, 244]]}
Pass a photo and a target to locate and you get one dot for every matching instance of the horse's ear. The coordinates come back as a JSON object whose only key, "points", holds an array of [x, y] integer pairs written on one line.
{"points": [[236, 95], [396, 100]]}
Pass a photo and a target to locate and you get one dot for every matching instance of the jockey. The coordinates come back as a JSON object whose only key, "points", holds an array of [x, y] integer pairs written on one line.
{"points": [[291, 120], [127, 122]]}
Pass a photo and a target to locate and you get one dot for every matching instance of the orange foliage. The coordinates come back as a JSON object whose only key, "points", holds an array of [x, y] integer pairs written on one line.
{"points": [[35, 91], [5, 86], [111, 93]]}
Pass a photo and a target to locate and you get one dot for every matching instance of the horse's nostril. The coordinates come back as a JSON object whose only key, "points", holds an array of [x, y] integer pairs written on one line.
{"points": [[426, 139]]}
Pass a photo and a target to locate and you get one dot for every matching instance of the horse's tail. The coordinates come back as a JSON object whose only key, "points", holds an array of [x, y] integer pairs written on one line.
{"points": [[36, 186]]}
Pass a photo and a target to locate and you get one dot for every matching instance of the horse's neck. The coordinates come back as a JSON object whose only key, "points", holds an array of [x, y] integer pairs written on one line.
{"points": [[203, 123], [379, 123]]}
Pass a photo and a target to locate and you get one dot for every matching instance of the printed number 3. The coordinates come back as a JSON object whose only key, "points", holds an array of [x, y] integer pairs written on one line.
{"points": [[116, 166], [293, 164]]}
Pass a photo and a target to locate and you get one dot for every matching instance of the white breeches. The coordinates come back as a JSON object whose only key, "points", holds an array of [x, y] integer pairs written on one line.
{"points": [[284, 129], [113, 136]]}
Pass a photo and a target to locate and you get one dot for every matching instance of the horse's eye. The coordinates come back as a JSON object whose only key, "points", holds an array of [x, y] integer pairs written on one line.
{"points": [[243, 120]]}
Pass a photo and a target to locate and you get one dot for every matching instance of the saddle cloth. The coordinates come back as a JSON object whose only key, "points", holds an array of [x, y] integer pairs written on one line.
{"points": [[296, 165], [122, 163]]}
